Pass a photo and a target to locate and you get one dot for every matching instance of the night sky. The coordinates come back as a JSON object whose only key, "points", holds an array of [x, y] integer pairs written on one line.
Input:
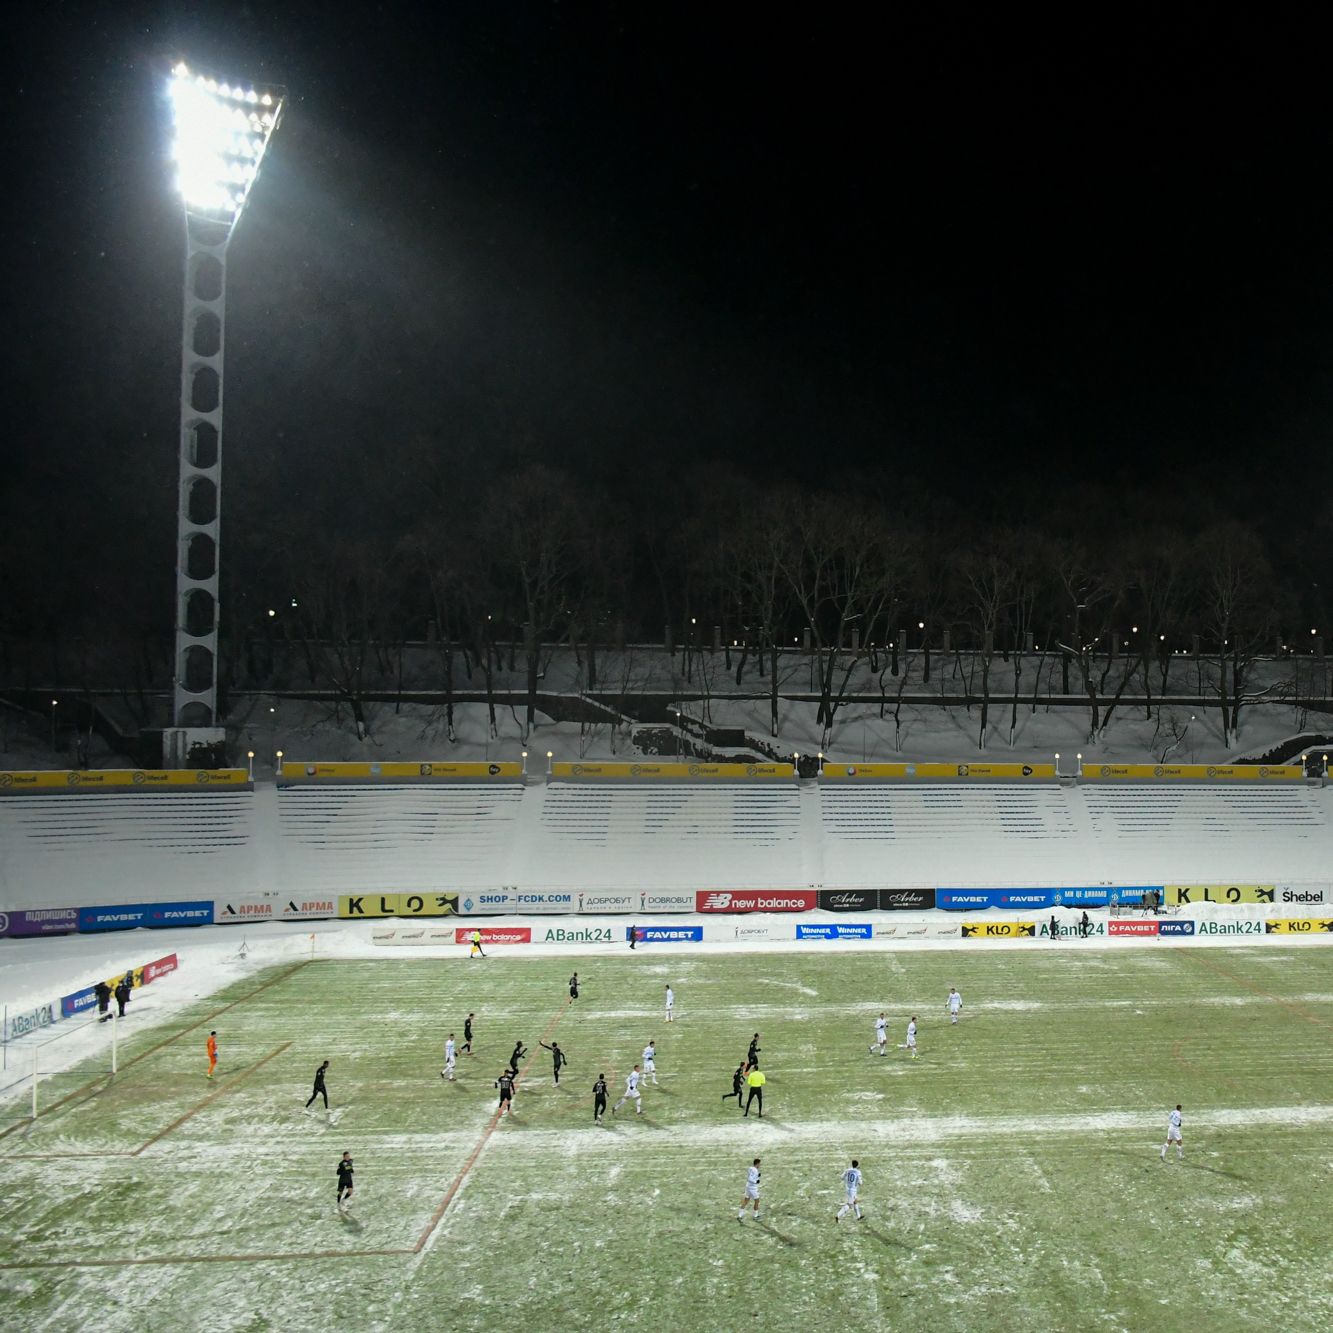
{"points": [[957, 252]]}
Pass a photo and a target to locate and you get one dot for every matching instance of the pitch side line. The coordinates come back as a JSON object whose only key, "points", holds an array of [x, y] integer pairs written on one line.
{"points": [[1299, 1010]]}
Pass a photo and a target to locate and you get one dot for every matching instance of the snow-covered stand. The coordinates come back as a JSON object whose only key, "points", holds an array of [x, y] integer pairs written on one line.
{"points": [[315, 841]]}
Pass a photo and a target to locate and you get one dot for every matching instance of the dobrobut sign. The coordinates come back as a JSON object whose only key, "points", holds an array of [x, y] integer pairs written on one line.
{"points": [[756, 900]]}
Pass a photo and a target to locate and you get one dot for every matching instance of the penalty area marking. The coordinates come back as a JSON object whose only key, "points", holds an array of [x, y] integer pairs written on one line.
{"points": [[436, 1218], [105, 1079], [222, 1088]]}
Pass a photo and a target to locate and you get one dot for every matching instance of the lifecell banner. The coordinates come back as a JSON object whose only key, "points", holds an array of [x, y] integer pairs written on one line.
{"points": [[120, 779], [427, 771], [1194, 772], [677, 772], [836, 772]]}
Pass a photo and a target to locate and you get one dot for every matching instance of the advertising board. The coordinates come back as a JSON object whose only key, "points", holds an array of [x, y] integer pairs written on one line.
{"points": [[355, 907], [39, 921], [756, 900]]}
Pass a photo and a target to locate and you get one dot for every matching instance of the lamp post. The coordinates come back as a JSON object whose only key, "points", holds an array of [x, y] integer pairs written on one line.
{"points": [[221, 133]]}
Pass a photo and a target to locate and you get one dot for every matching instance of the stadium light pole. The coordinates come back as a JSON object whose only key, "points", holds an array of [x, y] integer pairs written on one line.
{"points": [[222, 131]]}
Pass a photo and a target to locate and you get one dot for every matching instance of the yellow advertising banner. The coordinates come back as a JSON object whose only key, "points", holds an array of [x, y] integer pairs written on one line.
{"points": [[626, 770], [118, 779], [850, 772], [1301, 925], [355, 907], [1191, 895], [397, 772], [1195, 772], [1003, 930]]}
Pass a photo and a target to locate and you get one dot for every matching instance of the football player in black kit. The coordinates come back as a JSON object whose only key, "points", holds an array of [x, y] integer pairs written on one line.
{"points": [[320, 1089], [467, 1033], [574, 987], [752, 1055], [557, 1055], [506, 1085], [344, 1182], [518, 1054], [599, 1099], [737, 1085]]}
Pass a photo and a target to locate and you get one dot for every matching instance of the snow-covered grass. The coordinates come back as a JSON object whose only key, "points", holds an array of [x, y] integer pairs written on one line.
{"points": [[1012, 1176]]}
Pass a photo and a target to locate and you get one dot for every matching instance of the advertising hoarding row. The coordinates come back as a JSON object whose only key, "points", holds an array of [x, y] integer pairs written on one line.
{"points": [[620, 772], [299, 771], [14, 781]]}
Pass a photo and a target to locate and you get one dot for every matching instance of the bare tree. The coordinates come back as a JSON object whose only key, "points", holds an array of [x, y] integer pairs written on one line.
{"points": [[1091, 598], [533, 525], [1240, 611], [844, 569]]}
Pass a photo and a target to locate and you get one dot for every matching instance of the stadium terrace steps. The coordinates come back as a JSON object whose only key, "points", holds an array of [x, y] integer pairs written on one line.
{"points": [[395, 839], [603, 835], [96, 848]]}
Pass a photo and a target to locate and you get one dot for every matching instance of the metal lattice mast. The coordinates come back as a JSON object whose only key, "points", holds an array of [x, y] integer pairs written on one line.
{"points": [[222, 132]]}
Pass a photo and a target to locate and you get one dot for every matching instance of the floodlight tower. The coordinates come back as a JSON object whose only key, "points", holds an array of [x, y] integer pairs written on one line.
{"points": [[221, 133]]}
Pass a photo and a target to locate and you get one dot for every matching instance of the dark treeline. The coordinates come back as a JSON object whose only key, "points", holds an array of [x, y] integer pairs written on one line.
{"points": [[857, 572]]}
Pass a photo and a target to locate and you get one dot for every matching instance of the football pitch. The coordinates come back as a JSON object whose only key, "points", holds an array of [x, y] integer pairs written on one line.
{"points": [[1012, 1172]]}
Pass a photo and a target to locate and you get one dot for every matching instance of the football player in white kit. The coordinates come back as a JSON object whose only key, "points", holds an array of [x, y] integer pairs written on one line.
{"points": [[450, 1059], [881, 1034], [751, 1195], [1174, 1135], [650, 1061], [670, 1002], [910, 1044], [955, 1003], [852, 1179], [632, 1093]]}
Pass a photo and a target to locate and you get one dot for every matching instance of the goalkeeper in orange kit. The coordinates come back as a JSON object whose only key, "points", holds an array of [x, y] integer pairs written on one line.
{"points": [[212, 1053]]}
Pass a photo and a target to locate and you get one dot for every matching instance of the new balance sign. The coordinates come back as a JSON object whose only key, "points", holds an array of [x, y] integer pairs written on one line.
{"points": [[756, 900], [494, 934]]}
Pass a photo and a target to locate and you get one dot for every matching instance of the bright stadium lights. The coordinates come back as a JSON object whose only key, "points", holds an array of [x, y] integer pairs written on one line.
{"points": [[220, 132], [219, 144]]}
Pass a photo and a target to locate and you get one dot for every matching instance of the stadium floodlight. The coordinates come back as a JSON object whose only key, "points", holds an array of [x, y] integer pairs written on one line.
{"points": [[221, 132]]}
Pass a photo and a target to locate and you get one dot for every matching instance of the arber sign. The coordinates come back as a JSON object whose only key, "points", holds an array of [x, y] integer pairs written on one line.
{"points": [[756, 900]]}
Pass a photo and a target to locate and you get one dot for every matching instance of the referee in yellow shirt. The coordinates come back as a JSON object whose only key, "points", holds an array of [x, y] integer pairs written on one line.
{"points": [[755, 1079]]}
